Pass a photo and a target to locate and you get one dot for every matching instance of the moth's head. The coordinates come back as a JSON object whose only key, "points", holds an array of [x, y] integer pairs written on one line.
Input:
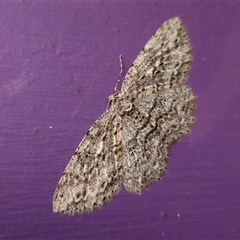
{"points": [[112, 99], [120, 104]]}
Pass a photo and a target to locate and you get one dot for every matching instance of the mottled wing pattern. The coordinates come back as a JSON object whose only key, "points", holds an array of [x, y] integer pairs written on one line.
{"points": [[129, 144], [165, 60], [162, 105], [94, 173], [153, 124]]}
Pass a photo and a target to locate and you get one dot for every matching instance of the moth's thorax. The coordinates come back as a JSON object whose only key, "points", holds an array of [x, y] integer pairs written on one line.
{"points": [[120, 104]]}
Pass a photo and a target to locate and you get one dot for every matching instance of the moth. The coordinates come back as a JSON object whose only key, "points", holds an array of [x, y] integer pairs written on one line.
{"points": [[129, 143]]}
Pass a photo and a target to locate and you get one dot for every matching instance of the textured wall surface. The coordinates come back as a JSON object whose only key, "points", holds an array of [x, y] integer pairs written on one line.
{"points": [[50, 51]]}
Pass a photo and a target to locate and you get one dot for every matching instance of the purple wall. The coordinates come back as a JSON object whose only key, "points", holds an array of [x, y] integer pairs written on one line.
{"points": [[47, 50]]}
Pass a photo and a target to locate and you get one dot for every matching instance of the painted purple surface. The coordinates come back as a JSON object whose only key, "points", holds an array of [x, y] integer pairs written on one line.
{"points": [[47, 51]]}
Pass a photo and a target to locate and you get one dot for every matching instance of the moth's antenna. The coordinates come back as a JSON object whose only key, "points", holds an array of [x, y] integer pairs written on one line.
{"points": [[120, 73], [110, 98]]}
